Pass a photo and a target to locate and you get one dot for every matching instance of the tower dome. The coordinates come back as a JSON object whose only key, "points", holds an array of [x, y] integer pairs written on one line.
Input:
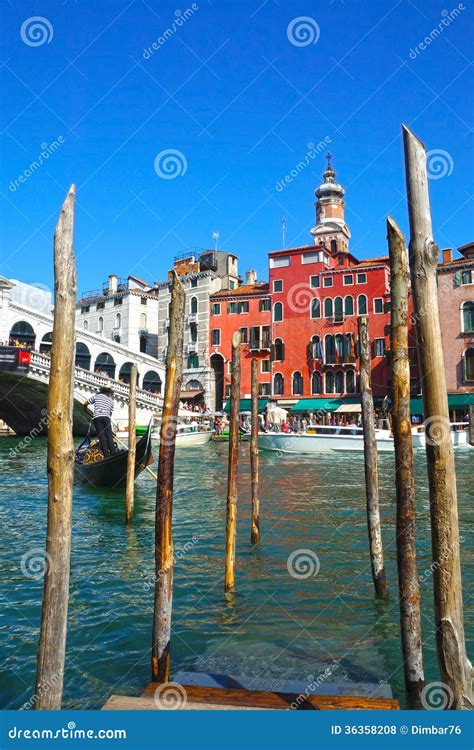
{"points": [[331, 229]]}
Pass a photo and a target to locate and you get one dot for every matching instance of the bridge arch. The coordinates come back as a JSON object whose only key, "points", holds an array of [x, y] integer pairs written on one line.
{"points": [[23, 332], [46, 343], [83, 356], [105, 364], [125, 372], [152, 382]]}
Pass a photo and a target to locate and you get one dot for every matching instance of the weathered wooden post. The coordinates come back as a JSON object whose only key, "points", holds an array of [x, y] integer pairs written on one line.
{"points": [[160, 661], [231, 514], [52, 643], [471, 424], [455, 667], [408, 581], [371, 467], [132, 445], [255, 530]]}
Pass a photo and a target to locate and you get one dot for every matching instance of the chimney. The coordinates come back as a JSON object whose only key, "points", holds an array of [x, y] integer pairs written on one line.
{"points": [[250, 277], [447, 255], [112, 283]]}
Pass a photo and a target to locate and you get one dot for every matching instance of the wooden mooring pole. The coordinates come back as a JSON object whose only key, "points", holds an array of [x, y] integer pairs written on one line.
{"points": [[132, 445], [255, 529], [231, 512], [160, 660], [371, 467], [455, 667], [471, 424], [408, 581], [52, 643]]}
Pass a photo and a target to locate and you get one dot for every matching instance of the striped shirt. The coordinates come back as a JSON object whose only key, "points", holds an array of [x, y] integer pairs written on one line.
{"points": [[103, 405]]}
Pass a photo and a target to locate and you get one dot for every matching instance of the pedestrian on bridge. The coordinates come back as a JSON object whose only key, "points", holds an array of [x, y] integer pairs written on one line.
{"points": [[103, 404]]}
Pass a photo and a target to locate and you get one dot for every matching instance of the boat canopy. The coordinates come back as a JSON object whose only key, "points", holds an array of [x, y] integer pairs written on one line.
{"points": [[325, 404], [246, 405]]}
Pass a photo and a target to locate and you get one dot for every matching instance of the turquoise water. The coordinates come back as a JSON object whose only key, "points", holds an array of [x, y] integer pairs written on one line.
{"points": [[276, 626]]}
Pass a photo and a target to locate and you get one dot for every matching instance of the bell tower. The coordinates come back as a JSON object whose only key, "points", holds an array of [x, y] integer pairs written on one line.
{"points": [[331, 229]]}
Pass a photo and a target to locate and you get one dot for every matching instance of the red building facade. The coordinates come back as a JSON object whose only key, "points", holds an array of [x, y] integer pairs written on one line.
{"points": [[307, 315]]}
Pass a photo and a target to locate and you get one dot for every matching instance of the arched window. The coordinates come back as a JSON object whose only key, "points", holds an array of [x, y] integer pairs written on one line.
{"points": [[328, 308], [194, 305], [152, 382], [339, 344], [125, 372], [315, 348], [83, 356], [45, 345], [362, 304], [143, 321], [316, 383], [23, 333], [329, 378], [85, 325], [279, 350], [100, 325], [339, 382], [118, 320], [329, 350], [277, 312], [468, 358], [349, 306], [315, 307], [338, 310], [297, 386], [278, 384], [334, 246], [105, 364], [350, 382], [467, 309]]}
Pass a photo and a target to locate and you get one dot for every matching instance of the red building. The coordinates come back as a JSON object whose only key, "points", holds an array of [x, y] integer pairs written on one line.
{"points": [[308, 342], [246, 309]]}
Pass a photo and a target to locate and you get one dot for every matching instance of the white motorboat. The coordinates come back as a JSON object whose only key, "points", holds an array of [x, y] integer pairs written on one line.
{"points": [[323, 438], [459, 432], [186, 437]]}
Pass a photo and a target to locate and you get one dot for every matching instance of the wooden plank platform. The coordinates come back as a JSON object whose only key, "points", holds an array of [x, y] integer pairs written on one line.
{"points": [[196, 697]]}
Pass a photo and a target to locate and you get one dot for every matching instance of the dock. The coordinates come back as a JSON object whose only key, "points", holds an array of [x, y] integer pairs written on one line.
{"points": [[224, 693]]}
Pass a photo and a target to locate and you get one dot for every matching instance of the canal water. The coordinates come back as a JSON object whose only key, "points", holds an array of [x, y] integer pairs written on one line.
{"points": [[318, 622]]}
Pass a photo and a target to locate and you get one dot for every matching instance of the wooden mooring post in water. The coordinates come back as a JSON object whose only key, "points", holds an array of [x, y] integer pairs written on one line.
{"points": [[454, 665], [255, 528], [160, 656], [371, 466], [408, 581], [231, 510], [132, 445], [52, 643]]}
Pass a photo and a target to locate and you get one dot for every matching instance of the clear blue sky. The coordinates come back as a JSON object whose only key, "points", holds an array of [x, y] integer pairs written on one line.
{"points": [[232, 93]]}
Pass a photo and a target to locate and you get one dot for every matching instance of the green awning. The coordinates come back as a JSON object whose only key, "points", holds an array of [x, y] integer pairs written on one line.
{"points": [[416, 406], [322, 404], [460, 400], [246, 405]]}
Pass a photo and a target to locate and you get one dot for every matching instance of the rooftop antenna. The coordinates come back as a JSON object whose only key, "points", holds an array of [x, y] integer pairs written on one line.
{"points": [[283, 230], [215, 237]]}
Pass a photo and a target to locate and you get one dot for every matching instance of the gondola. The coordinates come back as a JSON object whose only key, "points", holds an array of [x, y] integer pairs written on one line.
{"points": [[110, 471]]}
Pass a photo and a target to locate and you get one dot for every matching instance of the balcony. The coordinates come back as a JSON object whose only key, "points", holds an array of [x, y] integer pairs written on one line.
{"points": [[191, 318], [339, 359]]}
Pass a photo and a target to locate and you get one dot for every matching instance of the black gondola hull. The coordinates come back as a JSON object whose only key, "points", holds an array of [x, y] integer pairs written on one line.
{"points": [[112, 471]]}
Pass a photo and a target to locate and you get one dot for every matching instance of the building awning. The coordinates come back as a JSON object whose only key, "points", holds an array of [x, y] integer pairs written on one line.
{"points": [[349, 408], [460, 400], [324, 404], [191, 394], [246, 405]]}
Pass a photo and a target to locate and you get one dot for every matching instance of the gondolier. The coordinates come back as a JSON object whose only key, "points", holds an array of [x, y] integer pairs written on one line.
{"points": [[103, 404]]}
